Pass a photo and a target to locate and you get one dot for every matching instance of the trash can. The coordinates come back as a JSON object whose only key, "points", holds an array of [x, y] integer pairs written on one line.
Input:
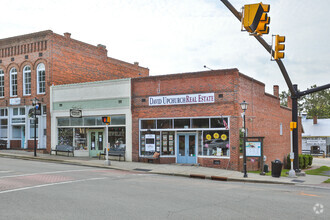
{"points": [[276, 168]]}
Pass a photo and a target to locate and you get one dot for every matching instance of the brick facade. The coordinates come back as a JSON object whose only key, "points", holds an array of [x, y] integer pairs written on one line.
{"points": [[66, 61], [264, 115]]}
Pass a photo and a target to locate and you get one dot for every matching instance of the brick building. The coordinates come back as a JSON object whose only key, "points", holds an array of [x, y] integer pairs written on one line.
{"points": [[31, 63], [196, 118]]}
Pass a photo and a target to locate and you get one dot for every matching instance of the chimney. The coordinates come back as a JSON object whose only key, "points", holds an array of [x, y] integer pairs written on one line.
{"points": [[101, 46], [67, 35], [136, 63], [289, 102], [276, 91], [314, 120]]}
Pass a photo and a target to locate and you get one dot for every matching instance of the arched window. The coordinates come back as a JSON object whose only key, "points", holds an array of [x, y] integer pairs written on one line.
{"points": [[41, 79], [27, 80], [2, 83], [13, 82]]}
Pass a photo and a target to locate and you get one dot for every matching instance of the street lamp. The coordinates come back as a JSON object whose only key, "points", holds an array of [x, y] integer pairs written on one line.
{"points": [[244, 106], [36, 107]]}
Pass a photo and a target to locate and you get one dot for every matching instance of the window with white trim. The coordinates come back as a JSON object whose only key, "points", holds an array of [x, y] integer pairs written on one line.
{"points": [[41, 79], [13, 82], [27, 80], [2, 83]]}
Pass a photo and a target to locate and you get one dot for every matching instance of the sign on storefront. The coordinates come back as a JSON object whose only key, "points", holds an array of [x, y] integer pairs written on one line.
{"points": [[75, 113], [182, 99]]}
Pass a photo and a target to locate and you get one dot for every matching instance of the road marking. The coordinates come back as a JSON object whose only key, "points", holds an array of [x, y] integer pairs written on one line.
{"points": [[53, 172], [51, 184], [5, 171], [306, 194]]}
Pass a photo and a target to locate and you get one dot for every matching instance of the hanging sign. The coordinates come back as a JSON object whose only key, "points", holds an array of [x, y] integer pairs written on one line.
{"points": [[75, 113], [182, 99]]}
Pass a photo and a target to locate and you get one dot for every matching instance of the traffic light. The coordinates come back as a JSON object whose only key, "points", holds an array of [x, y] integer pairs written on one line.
{"points": [[106, 120], [264, 21], [279, 47], [255, 18]]}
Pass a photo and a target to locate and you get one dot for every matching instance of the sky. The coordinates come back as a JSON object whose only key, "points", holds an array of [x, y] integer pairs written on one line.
{"points": [[179, 36]]}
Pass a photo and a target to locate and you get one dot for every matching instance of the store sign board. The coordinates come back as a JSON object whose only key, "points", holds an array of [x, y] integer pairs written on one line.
{"points": [[316, 141], [75, 113], [15, 101], [186, 99]]}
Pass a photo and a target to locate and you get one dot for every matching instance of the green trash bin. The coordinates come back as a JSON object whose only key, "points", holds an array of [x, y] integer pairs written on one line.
{"points": [[276, 168]]}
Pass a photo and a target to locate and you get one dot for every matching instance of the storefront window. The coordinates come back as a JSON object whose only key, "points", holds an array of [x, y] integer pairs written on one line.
{"points": [[219, 123], [167, 143], [118, 120], [182, 123], [65, 136], [17, 132], [117, 137], [215, 143], [164, 123], [80, 139], [32, 128], [148, 124], [76, 121], [3, 128], [63, 121], [200, 123], [89, 121], [150, 143]]}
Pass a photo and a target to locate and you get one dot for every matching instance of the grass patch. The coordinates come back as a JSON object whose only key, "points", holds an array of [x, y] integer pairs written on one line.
{"points": [[283, 173], [319, 171], [327, 181]]}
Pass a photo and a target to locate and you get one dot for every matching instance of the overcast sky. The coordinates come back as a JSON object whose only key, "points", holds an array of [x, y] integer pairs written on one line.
{"points": [[177, 36]]}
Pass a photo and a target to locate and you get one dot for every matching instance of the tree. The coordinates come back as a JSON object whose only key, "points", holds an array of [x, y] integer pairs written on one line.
{"points": [[317, 103]]}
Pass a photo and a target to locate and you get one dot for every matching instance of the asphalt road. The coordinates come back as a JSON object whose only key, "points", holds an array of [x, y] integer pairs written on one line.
{"points": [[37, 190]]}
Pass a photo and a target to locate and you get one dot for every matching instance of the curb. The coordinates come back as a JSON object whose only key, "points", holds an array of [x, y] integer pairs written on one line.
{"points": [[196, 176]]}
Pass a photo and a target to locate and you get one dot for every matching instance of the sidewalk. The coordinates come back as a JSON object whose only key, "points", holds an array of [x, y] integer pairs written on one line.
{"points": [[169, 169]]}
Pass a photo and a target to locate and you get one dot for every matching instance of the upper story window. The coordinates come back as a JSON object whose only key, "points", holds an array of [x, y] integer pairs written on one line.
{"points": [[2, 83], [13, 82], [41, 78], [27, 80]]}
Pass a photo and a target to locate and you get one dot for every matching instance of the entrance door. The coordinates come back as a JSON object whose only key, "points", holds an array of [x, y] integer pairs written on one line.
{"points": [[95, 142], [186, 148]]}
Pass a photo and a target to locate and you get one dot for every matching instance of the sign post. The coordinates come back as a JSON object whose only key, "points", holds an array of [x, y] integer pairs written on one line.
{"points": [[106, 120]]}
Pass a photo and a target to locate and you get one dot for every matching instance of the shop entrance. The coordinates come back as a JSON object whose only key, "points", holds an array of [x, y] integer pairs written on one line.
{"points": [[95, 142], [186, 148]]}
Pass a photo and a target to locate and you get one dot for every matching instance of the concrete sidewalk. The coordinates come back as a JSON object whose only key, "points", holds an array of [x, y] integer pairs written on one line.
{"points": [[169, 169]]}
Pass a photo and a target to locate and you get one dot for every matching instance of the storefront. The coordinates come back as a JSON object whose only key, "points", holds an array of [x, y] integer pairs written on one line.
{"points": [[185, 139], [77, 111], [196, 118]]}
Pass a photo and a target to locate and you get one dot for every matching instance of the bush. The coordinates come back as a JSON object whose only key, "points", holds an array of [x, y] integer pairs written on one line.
{"points": [[304, 161]]}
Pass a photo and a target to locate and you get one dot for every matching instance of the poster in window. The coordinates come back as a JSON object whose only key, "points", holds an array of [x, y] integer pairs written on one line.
{"points": [[150, 142], [164, 143], [142, 137], [158, 143], [170, 137], [164, 149], [142, 143], [170, 143], [171, 149], [164, 137], [157, 137]]}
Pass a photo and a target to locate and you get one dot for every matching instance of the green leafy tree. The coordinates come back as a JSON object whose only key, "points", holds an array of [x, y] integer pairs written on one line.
{"points": [[318, 103]]}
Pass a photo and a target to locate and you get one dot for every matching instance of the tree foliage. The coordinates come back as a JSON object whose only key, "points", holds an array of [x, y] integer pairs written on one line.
{"points": [[315, 104]]}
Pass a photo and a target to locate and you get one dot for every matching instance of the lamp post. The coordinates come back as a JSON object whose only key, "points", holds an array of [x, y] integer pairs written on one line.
{"points": [[244, 108], [36, 107]]}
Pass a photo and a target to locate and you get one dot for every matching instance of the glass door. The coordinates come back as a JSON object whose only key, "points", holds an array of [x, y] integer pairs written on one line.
{"points": [[186, 148], [95, 142]]}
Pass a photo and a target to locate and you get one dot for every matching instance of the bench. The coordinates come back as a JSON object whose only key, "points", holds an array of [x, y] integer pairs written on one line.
{"points": [[63, 148], [119, 152], [3, 144]]}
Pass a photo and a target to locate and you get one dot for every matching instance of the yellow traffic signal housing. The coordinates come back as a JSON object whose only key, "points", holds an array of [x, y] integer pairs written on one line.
{"points": [[255, 18], [264, 21], [293, 125], [279, 47], [106, 120]]}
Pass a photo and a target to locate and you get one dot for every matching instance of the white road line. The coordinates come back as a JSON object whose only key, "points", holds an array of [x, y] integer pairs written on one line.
{"points": [[50, 184], [53, 172], [5, 171]]}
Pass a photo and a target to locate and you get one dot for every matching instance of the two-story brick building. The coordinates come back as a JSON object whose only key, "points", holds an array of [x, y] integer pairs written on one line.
{"points": [[195, 118], [31, 63]]}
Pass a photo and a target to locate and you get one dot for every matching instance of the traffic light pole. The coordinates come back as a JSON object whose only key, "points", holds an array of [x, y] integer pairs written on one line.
{"points": [[295, 94]]}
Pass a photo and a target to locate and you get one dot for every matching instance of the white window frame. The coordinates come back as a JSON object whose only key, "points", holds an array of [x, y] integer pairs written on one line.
{"points": [[27, 76], [13, 82], [2, 83], [41, 85]]}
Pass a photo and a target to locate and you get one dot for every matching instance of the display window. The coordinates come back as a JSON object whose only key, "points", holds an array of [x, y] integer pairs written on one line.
{"points": [[215, 143]]}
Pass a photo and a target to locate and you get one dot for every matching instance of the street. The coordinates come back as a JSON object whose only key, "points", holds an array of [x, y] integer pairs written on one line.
{"points": [[38, 190]]}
